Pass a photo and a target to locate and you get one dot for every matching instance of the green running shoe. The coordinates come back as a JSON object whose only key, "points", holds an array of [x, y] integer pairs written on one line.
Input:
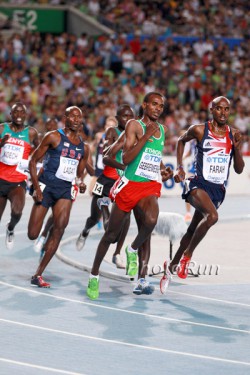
{"points": [[132, 262], [93, 288]]}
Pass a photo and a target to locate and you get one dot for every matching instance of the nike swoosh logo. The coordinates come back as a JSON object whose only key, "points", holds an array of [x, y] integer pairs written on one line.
{"points": [[78, 149], [21, 136]]}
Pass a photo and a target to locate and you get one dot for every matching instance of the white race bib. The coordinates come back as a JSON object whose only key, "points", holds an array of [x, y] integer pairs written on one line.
{"points": [[11, 154], [98, 189], [23, 167], [149, 166], [67, 169]]}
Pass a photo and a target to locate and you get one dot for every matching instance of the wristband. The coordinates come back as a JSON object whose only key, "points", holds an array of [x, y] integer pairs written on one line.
{"points": [[180, 166]]}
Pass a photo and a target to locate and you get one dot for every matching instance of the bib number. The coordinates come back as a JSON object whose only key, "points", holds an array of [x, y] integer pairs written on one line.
{"points": [[98, 188]]}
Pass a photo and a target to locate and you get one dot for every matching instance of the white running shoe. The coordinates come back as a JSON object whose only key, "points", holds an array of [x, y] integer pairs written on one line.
{"points": [[143, 287], [80, 242], [118, 261], [38, 245], [9, 240]]}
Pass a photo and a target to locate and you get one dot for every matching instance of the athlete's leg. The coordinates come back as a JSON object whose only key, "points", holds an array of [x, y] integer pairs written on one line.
{"points": [[145, 249], [197, 217], [95, 215], [17, 200], [61, 213], [122, 235], [48, 226], [3, 202], [36, 219], [110, 236], [201, 201], [147, 210]]}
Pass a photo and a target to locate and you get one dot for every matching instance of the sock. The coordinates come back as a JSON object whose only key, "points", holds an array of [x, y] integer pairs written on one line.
{"points": [[93, 276], [131, 250]]}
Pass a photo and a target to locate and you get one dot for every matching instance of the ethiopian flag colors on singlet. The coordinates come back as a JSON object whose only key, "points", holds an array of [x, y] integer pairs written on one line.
{"points": [[146, 165]]}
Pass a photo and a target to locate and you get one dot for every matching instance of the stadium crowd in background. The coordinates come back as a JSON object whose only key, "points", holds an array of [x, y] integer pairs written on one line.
{"points": [[51, 72]]}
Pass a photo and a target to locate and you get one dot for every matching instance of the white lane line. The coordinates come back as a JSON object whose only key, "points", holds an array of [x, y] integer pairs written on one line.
{"points": [[50, 369], [127, 311], [210, 299], [153, 348]]}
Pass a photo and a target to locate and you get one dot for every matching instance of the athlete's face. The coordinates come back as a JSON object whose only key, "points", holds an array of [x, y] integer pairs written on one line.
{"points": [[221, 112], [124, 116], [18, 114], [154, 107], [51, 125], [74, 119]]}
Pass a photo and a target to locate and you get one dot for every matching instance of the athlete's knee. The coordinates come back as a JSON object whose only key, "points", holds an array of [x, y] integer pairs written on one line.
{"points": [[32, 234], [150, 220], [111, 236], [212, 218]]}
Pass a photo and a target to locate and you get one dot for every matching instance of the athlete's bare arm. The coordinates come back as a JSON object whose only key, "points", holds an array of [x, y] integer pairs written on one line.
{"points": [[135, 139]]}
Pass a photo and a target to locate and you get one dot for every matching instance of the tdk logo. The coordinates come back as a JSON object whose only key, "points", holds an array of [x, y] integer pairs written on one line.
{"points": [[217, 159]]}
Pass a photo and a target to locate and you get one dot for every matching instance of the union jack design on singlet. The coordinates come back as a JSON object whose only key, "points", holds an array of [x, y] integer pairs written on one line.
{"points": [[214, 155]]}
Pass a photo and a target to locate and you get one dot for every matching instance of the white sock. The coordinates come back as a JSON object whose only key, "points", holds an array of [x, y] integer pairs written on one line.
{"points": [[93, 276], [131, 250]]}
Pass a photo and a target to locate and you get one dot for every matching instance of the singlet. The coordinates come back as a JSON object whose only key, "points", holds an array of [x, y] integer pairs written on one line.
{"points": [[98, 159], [214, 155], [60, 163], [111, 172], [14, 155], [146, 165]]}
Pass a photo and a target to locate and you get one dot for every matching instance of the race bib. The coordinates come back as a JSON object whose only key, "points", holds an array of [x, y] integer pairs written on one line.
{"points": [[67, 169], [11, 154], [120, 184], [23, 167], [149, 166], [98, 188], [215, 168]]}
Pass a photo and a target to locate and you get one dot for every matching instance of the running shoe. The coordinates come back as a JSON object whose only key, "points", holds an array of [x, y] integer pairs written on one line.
{"points": [[118, 261], [143, 287], [38, 245], [38, 281], [182, 268], [166, 279], [9, 240], [93, 288], [132, 262], [80, 242], [104, 201]]}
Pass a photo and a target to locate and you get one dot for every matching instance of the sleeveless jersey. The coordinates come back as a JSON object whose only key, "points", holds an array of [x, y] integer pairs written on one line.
{"points": [[214, 155], [98, 159], [111, 172], [14, 155], [60, 163], [146, 165]]}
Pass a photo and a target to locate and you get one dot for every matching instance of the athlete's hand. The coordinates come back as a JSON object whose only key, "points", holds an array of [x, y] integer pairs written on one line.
{"points": [[179, 175], [151, 128], [4, 140], [237, 139], [166, 174], [82, 187], [37, 195]]}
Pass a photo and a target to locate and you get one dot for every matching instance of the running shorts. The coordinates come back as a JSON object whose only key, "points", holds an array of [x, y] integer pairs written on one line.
{"points": [[127, 194], [216, 192], [6, 187]]}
